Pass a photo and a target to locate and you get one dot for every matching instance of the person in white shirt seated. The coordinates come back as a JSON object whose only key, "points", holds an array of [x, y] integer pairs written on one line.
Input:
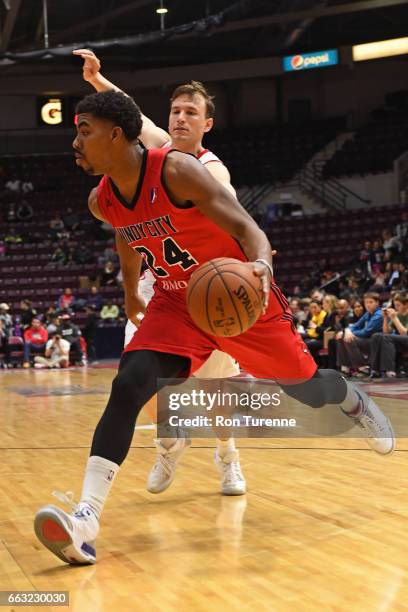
{"points": [[56, 354]]}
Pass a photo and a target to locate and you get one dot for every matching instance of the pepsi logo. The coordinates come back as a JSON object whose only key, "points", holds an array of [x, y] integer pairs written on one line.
{"points": [[297, 62]]}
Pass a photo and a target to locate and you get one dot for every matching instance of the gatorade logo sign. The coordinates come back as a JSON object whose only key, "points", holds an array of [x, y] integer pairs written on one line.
{"points": [[319, 59]]}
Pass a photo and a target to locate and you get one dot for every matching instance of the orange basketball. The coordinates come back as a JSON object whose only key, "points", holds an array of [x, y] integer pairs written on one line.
{"points": [[224, 297]]}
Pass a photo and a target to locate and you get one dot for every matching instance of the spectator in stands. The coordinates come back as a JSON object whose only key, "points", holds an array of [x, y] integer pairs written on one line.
{"points": [[3, 248], [56, 354], [83, 255], [376, 256], [56, 227], [59, 256], [6, 318], [35, 338], [27, 313], [390, 243], [342, 319], [6, 330], [109, 312], [24, 211], [352, 289], [108, 255], [52, 323], [89, 331], [11, 213], [13, 184], [317, 294], [313, 336], [71, 220], [13, 237], [365, 253], [353, 348], [402, 231], [108, 276], [27, 186], [299, 315], [66, 301], [71, 332], [357, 311], [94, 299], [394, 339]]}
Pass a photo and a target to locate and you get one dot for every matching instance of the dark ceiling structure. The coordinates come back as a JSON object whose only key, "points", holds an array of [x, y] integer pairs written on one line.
{"points": [[127, 33]]}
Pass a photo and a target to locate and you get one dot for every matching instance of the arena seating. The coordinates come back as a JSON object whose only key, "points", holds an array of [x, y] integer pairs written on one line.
{"points": [[269, 154], [373, 148]]}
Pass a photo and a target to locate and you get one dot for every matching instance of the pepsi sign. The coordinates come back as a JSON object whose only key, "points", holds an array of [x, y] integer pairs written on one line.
{"points": [[305, 61]]}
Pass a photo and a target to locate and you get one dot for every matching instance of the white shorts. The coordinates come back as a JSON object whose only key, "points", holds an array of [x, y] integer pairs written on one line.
{"points": [[219, 365]]}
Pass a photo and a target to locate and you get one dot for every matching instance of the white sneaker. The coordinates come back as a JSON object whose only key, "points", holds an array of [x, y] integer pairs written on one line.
{"points": [[376, 426], [71, 537], [164, 470], [232, 479]]}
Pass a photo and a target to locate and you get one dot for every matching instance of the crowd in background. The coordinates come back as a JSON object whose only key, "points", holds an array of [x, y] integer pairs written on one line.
{"points": [[53, 338], [356, 321]]}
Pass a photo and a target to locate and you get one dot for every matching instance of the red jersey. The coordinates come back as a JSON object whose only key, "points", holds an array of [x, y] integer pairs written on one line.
{"points": [[174, 241]]}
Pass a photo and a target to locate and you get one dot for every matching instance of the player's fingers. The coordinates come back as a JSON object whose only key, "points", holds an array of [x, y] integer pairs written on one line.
{"points": [[265, 291], [83, 52]]}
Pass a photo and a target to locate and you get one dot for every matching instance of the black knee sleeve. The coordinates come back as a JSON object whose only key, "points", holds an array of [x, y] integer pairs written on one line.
{"points": [[326, 387], [133, 386]]}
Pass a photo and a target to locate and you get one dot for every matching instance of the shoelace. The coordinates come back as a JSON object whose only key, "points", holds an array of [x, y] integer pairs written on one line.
{"points": [[68, 499], [368, 417], [234, 473], [165, 463]]}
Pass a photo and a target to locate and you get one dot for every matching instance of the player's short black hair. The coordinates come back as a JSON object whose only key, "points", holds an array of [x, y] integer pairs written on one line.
{"points": [[114, 106]]}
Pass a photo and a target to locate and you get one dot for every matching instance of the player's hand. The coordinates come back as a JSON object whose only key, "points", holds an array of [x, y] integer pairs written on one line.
{"points": [[91, 66], [263, 272], [134, 305]]}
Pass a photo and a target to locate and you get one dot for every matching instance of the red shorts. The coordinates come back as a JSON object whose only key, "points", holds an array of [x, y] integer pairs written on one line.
{"points": [[271, 348]]}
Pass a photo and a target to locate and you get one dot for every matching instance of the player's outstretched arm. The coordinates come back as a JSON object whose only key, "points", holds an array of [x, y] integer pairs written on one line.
{"points": [[187, 179], [151, 135]]}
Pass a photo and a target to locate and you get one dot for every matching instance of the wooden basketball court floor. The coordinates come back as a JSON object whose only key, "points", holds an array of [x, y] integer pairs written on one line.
{"points": [[323, 526]]}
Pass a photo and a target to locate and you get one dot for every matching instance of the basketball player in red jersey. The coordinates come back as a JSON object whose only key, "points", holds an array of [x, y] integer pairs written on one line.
{"points": [[191, 117], [168, 207]]}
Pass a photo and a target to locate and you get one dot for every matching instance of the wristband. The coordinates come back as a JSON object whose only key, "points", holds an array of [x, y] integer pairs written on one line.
{"points": [[265, 263]]}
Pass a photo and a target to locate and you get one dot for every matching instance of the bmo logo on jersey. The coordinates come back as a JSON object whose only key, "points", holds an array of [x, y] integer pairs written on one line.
{"points": [[310, 60], [169, 285]]}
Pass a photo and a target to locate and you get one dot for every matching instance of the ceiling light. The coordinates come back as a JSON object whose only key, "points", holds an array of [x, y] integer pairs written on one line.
{"points": [[162, 11]]}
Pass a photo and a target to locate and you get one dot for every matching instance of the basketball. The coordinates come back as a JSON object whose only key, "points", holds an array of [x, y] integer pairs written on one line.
{"points": [[224, 297]]}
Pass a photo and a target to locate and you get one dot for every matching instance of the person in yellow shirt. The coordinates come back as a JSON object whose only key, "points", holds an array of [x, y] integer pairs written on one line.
{"points": [[318, 317]]}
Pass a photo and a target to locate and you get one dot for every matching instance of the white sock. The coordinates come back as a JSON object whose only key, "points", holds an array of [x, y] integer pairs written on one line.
{"points": [[353, 402], [225, 446], [99, 476]]}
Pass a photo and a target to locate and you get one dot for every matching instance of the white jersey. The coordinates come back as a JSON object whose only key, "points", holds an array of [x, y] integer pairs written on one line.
{"points": [[219, 364]]}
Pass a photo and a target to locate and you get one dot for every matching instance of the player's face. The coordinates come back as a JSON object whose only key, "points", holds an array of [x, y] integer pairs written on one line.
{"points": [[93, 144], [188, 122]]}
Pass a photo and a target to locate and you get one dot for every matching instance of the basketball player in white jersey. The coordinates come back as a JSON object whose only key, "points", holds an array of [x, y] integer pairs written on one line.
{"points": [[191, 116]]}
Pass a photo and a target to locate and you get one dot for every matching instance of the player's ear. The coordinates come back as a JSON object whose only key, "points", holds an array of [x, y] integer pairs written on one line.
{"points": [[116, 133], [208, 124]]}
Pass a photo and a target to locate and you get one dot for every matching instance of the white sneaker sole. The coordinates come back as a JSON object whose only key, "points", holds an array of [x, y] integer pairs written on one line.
{"points": [[51, 530], [233, 491], [392, 439]]}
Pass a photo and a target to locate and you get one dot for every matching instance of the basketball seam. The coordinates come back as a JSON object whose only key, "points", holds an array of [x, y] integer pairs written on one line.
{"points": [[230, 296], [206, 304]]}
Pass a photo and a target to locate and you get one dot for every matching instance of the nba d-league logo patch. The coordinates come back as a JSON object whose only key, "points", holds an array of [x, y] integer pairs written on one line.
{"points": [[153, 195], [110, 475]]}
